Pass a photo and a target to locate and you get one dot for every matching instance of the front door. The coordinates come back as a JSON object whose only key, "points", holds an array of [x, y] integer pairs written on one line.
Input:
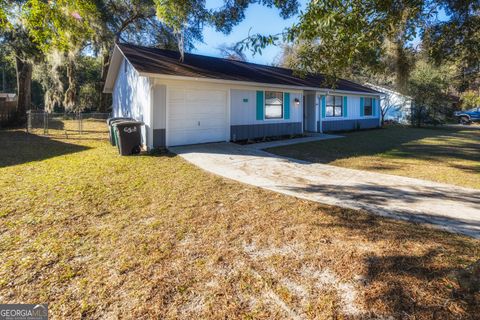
{"points": [[310, 120]]}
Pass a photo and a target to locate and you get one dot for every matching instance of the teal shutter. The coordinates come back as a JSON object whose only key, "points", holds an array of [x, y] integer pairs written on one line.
{"points": [[345, 107], [324, 106], [260, 105], [362, 107], [286, 103], [374, 107]]}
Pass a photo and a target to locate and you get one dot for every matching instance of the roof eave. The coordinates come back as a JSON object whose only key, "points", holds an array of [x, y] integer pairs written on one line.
{"points": [[250, 83], [113, 68]]}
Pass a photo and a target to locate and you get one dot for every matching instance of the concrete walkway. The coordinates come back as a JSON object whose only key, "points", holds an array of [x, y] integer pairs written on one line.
{"points": [[286, 142], [449, 207]]}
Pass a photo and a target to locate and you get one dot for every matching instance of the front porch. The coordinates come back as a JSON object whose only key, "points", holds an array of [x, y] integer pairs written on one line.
{"points": [[326, 112]]}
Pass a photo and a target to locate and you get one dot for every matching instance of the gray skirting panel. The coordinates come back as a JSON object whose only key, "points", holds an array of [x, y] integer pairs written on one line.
{"points": [[159, 138], [348, 125], [252, 131]]}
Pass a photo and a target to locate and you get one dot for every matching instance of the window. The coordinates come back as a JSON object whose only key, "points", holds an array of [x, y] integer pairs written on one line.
{"points": [[367, 107], [273, 105], [334, 106]]}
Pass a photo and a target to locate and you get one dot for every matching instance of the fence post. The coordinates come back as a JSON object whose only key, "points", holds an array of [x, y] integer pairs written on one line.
{"points": [[79, 119], [29, 121], [45, 131]]}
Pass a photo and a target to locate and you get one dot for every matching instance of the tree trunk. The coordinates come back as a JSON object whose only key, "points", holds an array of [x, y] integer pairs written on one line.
{"points": [[104, 97], [71, 93], [402, 66], [24, 88], [419, 116]]}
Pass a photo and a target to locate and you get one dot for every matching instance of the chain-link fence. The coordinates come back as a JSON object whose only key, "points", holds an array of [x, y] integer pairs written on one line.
{"points": [[67, 124]]}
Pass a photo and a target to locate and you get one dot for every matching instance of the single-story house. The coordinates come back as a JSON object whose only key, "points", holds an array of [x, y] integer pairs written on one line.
{"points": [[205, 99], [397, 106]]}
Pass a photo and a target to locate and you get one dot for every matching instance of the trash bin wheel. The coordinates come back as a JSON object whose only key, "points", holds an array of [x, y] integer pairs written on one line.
{"points": [[136, 150]]}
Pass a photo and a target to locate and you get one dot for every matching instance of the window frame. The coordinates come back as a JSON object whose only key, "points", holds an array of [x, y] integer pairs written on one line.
{"points": [[334, 106], [265, 105], [365, 106]]}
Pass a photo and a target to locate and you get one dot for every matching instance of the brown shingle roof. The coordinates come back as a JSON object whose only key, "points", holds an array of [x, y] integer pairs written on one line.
{"points": [[153, 60]]}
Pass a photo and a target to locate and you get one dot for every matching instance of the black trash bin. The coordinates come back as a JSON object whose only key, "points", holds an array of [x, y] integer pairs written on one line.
{"points": [[128, 136], [111, 133]]}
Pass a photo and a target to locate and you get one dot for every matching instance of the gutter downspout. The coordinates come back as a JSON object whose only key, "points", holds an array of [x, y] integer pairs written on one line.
{"points": [[319, 108]]}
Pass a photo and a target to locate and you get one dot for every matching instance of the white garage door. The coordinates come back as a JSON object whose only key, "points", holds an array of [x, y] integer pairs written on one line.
{"points": [[196, 116]]}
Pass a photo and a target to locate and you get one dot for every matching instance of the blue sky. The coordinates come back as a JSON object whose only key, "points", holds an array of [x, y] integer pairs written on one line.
{"points": [[258, 19]]}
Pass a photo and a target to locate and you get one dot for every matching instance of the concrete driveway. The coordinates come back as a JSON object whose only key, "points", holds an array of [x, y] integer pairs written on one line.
{"points": [[448, 207]]}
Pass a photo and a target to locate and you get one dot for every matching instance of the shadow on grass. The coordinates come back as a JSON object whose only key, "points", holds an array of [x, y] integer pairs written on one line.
{"points": [[18, 147], [382, 268], [77, 137], [390, 270], [381, 194], [395, 142], [391, 273], [470, 169], [71, 131], [155, 153], [376, 199]]}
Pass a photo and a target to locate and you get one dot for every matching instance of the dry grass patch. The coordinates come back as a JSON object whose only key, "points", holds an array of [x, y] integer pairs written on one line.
{"points": [[448, 155], [101, 236]]}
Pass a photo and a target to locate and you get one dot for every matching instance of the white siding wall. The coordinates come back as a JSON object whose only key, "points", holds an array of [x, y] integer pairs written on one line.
{"points": [[400, 107], [159, 106], [131, 97], [244, 113]]}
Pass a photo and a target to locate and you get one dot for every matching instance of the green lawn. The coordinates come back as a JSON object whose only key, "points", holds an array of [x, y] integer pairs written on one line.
{"points": [[97, 235], [445, 155]]}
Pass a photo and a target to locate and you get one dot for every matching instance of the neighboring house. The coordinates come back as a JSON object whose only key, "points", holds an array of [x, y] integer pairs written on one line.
{"points": [[396, 106], [205, 99], [8, 101], [8, 96], [8, 106]]}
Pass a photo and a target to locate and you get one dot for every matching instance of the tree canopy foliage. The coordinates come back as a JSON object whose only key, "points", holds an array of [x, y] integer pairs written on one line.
{"points": [[382, 40], [63, 24], [470, 99], [429, 87], [59, 36], [17, 42], [457, 40], [3, 14], [352, 37]]}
